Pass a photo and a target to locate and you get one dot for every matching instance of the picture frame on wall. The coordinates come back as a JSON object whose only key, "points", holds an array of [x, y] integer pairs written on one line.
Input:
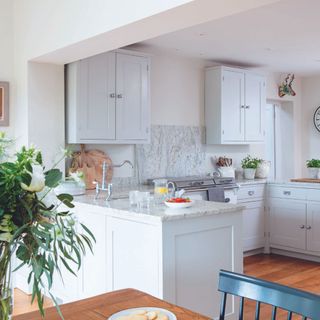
{"points": [[4, 103]]}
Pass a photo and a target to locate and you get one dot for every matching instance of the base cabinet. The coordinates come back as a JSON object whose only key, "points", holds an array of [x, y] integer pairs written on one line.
{"points": [[287, 223], [253, 225], [253, 216], [294, 219], [313, 227]]}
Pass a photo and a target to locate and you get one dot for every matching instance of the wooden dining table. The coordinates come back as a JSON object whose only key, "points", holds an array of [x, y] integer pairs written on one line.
{"points": [[103, 306]]}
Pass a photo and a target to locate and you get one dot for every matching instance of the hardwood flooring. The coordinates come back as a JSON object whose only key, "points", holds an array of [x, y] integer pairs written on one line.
{"points": [[301, 274], [292, 272]]}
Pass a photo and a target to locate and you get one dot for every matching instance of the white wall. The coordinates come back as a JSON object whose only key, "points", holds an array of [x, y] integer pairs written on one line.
{"points": [[6, 51], [59, 31], [310, 102]]}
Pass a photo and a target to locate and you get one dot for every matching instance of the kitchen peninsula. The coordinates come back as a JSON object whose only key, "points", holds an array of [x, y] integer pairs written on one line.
{"points": [[172, 254]]}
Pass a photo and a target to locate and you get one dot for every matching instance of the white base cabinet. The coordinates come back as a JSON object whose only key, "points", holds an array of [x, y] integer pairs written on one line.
{"points": [[294, 219], [176, 260], [253, 216]]}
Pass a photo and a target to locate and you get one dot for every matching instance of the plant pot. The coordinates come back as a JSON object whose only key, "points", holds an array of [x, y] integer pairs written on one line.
{"points": [[249, 173], [314, 173], [263, 170]]}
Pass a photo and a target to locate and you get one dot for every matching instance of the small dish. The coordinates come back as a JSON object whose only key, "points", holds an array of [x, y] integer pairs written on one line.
{"points": [[128, 312], [179, 205]]}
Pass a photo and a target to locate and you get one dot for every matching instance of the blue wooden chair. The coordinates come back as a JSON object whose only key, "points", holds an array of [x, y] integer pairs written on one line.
{"points": [[292, 300]]}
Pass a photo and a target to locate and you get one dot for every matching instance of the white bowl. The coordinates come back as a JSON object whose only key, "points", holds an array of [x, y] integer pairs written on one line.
{"points": [[127, 312], [179, 205]]}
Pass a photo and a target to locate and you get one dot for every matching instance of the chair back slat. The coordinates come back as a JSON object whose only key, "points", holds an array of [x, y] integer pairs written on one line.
{"points": [[223, 306], [257, 316], [241, 308], [290, 299], [274, 313]]}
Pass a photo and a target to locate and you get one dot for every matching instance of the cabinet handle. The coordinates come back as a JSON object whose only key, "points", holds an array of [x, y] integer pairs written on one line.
{"points": [[119, 96], [242, 107], [247, 107], [287, 193], [251, 193], [302, 226], [308, 227], [112, 95]]}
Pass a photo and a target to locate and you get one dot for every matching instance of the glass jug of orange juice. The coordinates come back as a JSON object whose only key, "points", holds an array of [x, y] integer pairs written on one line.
{"points": [[160, 190]]}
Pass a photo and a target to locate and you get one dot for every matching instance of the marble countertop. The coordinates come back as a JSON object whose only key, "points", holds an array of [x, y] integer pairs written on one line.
{"points": [[122, 208], [244, 182]]}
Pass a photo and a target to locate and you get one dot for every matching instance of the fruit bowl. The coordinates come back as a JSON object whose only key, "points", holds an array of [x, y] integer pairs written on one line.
{"points": [[179, 203]]}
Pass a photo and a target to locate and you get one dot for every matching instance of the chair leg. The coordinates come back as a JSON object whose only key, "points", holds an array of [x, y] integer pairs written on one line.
{"points": [[257, 316], [289, 315], [241, 308], [274, 313], [223, 306]]}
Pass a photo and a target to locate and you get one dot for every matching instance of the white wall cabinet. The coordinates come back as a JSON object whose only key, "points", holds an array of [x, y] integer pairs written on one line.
{"points": [[253, 216], [108, 99], [234, 106]]}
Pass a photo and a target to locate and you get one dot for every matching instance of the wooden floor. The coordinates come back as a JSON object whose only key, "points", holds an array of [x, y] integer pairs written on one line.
{"points": [[301, 274], [296, 273]]}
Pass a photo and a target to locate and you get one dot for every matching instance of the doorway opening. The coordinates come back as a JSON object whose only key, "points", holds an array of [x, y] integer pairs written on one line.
{"points": [[279, 147]]}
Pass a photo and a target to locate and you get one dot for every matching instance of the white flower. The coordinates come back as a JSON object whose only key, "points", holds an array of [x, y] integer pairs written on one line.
{"points": [[37, 179]]}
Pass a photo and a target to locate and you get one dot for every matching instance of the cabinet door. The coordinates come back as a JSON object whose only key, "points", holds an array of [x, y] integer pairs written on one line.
{"points": [[253, 225], [96, 98], [94, 265], [232, 109], [255, 100], [313, 227], [132, 114], [287, 223]]}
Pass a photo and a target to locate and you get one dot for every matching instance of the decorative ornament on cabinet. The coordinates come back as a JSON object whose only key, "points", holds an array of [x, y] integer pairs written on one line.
{"points": [[285, 88]]}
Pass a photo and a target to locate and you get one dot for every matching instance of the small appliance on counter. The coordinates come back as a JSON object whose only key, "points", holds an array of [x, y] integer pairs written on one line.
{"points": [[206, 188]]}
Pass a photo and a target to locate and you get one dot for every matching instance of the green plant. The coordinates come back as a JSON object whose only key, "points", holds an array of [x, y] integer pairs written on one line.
{"points": [[313, 163], [250, 163], [37, 226]]}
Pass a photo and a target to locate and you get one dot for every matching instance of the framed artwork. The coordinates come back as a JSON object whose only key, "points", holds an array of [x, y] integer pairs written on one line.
{"points": [[4, 104]]}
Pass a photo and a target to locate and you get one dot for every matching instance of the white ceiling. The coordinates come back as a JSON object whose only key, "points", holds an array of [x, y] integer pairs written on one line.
{"points": [[282, 37]]}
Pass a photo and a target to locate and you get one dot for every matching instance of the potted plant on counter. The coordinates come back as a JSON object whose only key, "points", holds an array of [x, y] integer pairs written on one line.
{"points": [[313, 166], [249, 166]]}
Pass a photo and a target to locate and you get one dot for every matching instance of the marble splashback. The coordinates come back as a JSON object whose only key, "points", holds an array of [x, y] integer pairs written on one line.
{"points": [[174, 151]]}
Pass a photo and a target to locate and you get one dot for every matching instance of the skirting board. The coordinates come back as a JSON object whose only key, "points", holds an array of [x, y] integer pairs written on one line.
{"points": [[295, 255]]}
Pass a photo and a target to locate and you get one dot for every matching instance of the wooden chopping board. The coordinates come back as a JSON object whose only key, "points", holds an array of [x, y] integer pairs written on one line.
{"points": [[306, 180], [90, 163]]}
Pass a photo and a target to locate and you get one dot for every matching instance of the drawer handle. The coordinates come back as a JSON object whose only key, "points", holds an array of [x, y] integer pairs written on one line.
{"points": [[287, 193], [251, 193], [308, 227], [302, 226]]}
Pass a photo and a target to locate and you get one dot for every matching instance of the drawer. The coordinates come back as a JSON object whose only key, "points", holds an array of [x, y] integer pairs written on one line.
{"points": [[287, 193], [313, 195], [253, 192]]}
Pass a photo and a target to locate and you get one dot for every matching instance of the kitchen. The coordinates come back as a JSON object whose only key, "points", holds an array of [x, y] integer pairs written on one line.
{"points": [[167, 135]]}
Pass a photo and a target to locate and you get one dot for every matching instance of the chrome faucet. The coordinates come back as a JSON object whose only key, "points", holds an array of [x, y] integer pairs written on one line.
{"points": [[108, 186]]}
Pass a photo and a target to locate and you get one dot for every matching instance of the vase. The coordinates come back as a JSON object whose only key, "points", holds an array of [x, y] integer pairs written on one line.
{"points": [[263, 170], [314, 173], [6, 291], [249, 173]]}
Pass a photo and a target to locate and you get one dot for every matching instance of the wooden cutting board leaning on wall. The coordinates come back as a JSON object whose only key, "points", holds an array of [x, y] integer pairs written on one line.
{"points": [[90, 163]]}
